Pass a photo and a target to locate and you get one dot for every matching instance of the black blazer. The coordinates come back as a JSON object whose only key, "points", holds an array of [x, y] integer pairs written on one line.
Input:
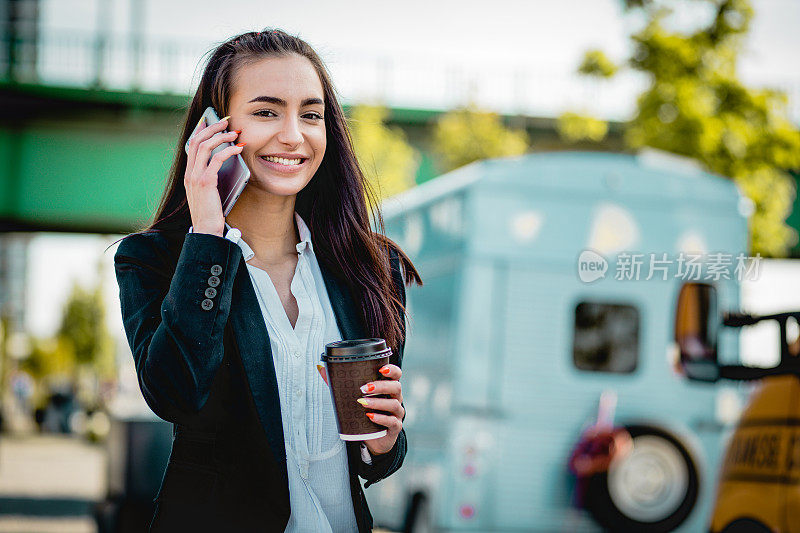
{"points": [[208, 369]]}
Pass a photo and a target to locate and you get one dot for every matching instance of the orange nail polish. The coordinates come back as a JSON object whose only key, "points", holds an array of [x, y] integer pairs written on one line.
{"points": [[241, 144], [371, 416], [384, 370], [370, 387], [237, 132], [323, 372]]}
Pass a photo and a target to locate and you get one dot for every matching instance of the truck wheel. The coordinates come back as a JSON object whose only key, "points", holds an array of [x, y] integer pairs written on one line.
{"points": [[651, 490], [418, 515]]}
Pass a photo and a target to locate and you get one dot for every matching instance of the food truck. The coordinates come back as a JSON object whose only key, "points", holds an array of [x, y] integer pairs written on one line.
{"points": [[550, 279]]}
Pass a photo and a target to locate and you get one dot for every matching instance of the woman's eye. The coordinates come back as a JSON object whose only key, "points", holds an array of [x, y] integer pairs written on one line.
{"points": [[265, 113], [315, 116]]}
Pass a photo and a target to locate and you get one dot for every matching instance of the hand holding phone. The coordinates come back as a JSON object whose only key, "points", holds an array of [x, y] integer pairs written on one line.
{"points": [[215, 173]]}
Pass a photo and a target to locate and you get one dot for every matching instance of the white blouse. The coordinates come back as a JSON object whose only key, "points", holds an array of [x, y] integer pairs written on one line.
{"points": [[319, 485]]}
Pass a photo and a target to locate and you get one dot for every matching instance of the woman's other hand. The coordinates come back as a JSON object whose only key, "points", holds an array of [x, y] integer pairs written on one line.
{"points": [[201, 178], [392, 405]]}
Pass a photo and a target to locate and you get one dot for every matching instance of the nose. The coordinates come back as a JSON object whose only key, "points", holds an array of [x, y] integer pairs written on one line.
{"points": [[290, 133]]}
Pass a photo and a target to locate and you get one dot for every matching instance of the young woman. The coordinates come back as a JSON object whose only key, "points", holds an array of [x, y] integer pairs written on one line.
{"points": [[227, 317]]}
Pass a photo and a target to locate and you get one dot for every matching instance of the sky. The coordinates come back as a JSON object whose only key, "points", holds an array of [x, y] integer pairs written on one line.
{"points": [[511, 32], [542, 37], [504, 54]]}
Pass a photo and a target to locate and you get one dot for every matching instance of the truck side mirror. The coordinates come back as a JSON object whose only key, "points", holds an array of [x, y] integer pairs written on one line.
{"points": [[696, 324]]}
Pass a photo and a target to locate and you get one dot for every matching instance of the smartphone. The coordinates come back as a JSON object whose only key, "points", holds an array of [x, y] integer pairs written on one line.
{"points": [[233, 175]]}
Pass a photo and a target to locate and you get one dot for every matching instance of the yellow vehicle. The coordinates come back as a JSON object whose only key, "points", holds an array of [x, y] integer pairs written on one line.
{"points": [[759, 482]]}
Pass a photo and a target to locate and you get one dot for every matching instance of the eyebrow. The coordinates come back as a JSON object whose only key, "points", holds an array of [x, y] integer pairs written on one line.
{"points": [[281, 102]]}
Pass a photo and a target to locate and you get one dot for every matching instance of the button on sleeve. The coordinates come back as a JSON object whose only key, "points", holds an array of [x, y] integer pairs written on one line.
{"points": [[207, 304], [176, 342], [213, 281], [216, 270], [210, 292]]}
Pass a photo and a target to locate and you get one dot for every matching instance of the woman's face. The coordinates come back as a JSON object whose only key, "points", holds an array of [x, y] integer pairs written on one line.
{"points": [[278, 105]]}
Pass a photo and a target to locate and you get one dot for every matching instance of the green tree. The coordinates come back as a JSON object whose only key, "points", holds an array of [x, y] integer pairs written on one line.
{"points": [[388, 161], [696, 106], [596, 63], [83, 327], [466, 135], [574, 127], [51, 358]]}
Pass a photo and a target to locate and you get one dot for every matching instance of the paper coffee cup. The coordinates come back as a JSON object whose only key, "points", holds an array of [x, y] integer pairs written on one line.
{"points": [[351, 364]]}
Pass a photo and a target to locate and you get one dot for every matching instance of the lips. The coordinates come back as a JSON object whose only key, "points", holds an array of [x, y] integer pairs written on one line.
{"points": [[283, 164], [287, 161]]}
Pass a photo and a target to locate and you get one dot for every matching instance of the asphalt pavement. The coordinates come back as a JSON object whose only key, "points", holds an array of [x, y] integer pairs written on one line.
{"points": [[48, 483]]}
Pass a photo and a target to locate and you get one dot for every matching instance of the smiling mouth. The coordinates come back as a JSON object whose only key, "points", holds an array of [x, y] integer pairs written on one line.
{"points": [[283, 161]]}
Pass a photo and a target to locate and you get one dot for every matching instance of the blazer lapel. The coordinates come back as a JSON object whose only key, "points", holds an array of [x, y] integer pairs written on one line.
{"points": [[351, 328], [255, 351]]}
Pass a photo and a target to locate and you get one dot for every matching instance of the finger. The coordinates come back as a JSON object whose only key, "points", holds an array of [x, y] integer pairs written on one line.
{"points": [[216, 162], [202, 155], [390, 406], [324, 373], [380, 446], [391, 371], [208, 146], [200, 125], [202, 132], [390, 421], [391, 387], [203, 135], [191, 153]]}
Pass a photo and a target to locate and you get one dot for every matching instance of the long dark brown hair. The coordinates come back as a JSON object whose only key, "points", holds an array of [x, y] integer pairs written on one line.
{"points": [[333, 204]]}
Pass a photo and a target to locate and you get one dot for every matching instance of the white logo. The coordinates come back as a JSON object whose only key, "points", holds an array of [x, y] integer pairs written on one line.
{"points": [[591, 266]]}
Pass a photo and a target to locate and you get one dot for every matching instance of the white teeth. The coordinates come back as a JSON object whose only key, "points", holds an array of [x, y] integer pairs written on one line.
{"points": [[282, 160]]}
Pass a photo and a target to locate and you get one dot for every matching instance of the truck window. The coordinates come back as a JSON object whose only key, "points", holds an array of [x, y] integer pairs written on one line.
{"points": [[606, 337]]}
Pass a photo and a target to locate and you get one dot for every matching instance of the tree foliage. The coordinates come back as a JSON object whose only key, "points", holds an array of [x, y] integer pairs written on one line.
{"points": [[83, 328], [466, 135], [696, 106], [574, 127], [81, 352], [50, 358], [386, 158], [597, 63]]}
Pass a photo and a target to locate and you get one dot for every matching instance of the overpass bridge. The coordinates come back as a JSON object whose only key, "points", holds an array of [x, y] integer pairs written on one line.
{"points": [[89, 120], [96, 160]]}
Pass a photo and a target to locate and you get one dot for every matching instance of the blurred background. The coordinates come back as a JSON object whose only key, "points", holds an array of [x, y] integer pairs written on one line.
{"points": [[92, 94]]}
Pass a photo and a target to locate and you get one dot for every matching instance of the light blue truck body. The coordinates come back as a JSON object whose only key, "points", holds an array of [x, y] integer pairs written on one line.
{"points": [[494, 397]]}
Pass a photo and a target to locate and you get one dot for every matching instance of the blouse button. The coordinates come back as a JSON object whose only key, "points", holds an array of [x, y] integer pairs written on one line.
{"points": [[211, 292], [207, 304], [213, 281], [216, 270]]}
